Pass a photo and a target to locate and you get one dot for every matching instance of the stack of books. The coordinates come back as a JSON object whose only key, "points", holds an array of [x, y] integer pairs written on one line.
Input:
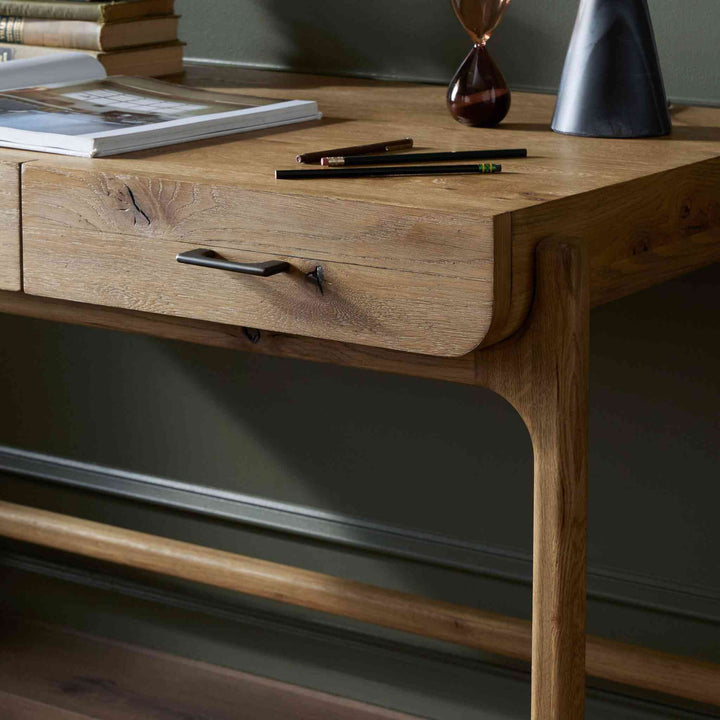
{"points": [[129, 37]]}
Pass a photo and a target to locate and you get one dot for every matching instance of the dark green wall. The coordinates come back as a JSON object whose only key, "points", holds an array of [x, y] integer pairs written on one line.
{"points": [[422, 40], [421, 454], [427, 456]]}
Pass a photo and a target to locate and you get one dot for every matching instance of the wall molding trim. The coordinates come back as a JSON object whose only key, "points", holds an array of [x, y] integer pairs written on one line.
{"points": [[543, 89], [604, 584], [325, 632]]}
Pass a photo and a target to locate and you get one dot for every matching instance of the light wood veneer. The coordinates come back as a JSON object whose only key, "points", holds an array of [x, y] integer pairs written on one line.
{"points": [[609, 660], [480, 280], [449, 259], [10, 255]]}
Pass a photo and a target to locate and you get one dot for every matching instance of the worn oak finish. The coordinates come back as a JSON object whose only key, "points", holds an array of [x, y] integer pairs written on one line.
{"points": [[10, 256], [270, 580], [485, 280], [460, 370], [544, 372], [393, 276], [674, 230], [47, 673], [470, 239], [608, 660], [371, 306]]}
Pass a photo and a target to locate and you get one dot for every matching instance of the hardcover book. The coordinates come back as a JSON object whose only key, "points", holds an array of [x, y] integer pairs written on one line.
{"points": [[68, 105], [152, 60], [88, 35], [83, 10]]}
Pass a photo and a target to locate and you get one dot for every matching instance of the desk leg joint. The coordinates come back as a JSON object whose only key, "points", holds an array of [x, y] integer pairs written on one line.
{"points": [[543, 372]]}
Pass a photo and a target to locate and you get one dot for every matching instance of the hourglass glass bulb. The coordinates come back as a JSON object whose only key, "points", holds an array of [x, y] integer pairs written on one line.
{"points": [[479, 17], [478, 94]]}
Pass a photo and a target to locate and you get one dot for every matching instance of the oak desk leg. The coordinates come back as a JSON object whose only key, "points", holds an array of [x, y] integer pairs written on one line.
{"points": [[543, 372]]}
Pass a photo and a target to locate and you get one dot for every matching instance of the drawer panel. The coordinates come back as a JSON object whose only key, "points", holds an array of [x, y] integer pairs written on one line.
{"points": [[10, 271], [397, 277], [197, 212], [370, 306]]}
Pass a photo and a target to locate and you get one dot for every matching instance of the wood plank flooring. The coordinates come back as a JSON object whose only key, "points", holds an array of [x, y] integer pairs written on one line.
{"points": [[52, 673]]}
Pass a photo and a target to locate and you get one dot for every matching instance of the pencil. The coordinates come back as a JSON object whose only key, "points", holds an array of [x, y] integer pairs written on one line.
{"points": [[482, 168], [378, 147], [405, 158]]}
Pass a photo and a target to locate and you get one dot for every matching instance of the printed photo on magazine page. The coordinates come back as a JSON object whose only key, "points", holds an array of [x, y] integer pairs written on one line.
{"points": [[111, 104]]}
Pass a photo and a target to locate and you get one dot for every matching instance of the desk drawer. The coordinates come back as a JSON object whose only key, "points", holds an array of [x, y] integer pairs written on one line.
{"points": [[10, 272], [389, 277]]}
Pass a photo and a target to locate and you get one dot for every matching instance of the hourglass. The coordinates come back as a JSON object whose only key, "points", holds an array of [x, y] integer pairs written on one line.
{"points": [[478, 94]]}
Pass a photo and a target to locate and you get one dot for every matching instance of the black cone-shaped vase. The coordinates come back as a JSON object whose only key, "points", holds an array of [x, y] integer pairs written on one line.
{"points": [[612, 85]]}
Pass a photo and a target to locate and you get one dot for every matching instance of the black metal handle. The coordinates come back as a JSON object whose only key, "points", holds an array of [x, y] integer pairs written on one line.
{"points": [[210, 259]]}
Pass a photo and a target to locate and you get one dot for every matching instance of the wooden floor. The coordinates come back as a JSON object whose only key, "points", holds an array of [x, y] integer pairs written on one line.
{"points": [[50, 673]]}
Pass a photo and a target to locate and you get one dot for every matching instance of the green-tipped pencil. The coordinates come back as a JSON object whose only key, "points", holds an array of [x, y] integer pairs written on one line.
{"points": [[474, 169]]}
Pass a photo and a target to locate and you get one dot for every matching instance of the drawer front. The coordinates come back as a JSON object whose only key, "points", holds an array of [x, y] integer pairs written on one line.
{"points": [[391, 277], [10, 271], [362, 305]]}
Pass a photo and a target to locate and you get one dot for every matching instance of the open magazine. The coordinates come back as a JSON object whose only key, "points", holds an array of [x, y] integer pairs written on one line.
{"points": [[68, 105]]}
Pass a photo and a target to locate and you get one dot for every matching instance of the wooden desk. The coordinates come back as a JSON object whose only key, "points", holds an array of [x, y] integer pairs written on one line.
{"points": [[480, 280]]}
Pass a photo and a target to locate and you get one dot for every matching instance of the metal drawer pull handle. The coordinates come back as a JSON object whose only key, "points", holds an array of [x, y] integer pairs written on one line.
{"points": [[210, 259]]}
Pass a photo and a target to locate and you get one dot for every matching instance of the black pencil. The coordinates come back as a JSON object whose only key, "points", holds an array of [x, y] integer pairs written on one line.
{"points": [[482, 168], [405, 158]]}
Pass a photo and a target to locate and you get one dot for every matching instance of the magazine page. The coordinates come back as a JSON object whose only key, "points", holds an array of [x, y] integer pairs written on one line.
{"points": [[112, 104], [49, 69], [119, 114]]}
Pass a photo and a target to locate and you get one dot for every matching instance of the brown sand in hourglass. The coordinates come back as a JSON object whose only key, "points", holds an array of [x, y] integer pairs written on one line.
{"points": [[478, 94]]}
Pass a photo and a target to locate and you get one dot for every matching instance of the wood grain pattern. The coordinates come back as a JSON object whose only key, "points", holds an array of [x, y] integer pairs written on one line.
{"points": [[637, 234], [438, 300], [371, 306], [459, 370], [428, 265], [65, 675], [653, 670], [154, 208], [10, 273], [608, 660], [388, 608], [646, 209], [16, 707], [365, 110], [543, 372]]}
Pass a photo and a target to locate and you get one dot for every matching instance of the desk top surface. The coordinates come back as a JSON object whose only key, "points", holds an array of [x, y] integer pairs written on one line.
{"points": [[359, 111], [433, 265]]}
